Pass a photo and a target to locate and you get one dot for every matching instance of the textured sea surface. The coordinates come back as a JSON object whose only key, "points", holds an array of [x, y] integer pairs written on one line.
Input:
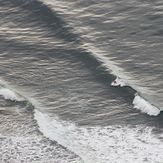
{"points": [[81, 81]]}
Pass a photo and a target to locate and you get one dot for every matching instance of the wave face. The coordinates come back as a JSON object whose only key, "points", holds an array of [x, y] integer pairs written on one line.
{"points": [[59, 62], [123, 38]]}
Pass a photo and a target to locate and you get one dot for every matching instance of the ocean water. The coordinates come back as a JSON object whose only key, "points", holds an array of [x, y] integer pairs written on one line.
{"points": [[81, 81]]}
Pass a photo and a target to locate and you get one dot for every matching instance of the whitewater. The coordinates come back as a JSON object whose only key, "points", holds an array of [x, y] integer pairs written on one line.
{"points": [[123, 78], [81, 81], [125, 144]]}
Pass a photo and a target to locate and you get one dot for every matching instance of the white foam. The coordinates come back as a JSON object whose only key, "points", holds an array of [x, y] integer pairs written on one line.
{"points": [[118, 82], [138, 102], [113, 144], [145, 106], [34, 149], [10, 95]]}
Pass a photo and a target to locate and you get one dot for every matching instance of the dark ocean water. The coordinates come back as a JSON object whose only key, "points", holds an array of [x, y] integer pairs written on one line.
{"points": [[57, 62]]}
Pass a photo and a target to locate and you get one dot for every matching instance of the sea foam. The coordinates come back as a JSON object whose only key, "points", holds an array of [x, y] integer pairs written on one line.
{"points": [[10, 95], [118, 144], [145, 106]]}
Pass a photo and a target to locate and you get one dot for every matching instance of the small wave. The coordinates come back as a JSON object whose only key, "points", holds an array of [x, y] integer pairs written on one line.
{"points": [[7, 93], [49, 15], [145, 106], [138, 101], [10, 95]]}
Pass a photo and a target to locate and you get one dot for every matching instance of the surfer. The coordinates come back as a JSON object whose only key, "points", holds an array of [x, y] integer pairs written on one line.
{"points": [[115, 83], [118, 82]]}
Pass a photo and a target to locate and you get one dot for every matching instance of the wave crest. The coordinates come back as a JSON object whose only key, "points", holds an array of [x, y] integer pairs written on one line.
{"points": [[139, 102], [145, 106], [10, 95]]}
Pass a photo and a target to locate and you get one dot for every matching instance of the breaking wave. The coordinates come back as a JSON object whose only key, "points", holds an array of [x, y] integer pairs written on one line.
{"points": [[9, 95], [145, 106], [85, 53], [138, 101], [92, 144]]}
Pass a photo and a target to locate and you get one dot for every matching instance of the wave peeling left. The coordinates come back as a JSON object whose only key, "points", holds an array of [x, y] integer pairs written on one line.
{"points": [[145, 106], [139, 102]]}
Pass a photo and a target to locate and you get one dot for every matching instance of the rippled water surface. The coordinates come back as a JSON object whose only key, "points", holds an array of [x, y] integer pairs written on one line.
{"points": [[57, 61]]}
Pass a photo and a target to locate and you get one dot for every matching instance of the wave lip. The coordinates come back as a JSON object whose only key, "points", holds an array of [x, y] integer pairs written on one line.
{"points": [[145, 106], [139, 102], [10, 95]]}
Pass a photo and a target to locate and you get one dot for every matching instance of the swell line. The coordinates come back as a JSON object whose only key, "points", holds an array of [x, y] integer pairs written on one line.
{"points": [[98, 63], [50, 18]]}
